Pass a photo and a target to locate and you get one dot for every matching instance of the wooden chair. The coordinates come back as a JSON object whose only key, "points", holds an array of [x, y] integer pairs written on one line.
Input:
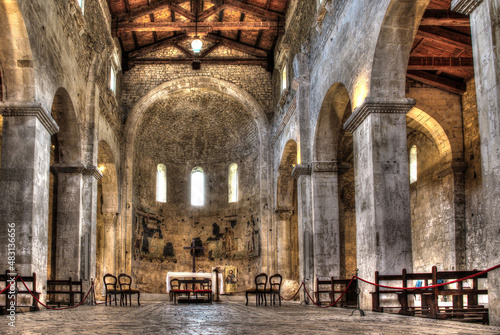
{"points": [[205, 288], [259, 290], [125, 282], [275, 288], [110, 282], [175, 292]]}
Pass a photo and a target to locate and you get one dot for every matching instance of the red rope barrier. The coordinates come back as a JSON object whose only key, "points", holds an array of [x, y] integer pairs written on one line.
{"points": [[298, 290], [5, 289], [432, 286], [59, 308]]}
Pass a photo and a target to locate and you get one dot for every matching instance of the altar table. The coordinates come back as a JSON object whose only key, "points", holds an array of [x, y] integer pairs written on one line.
{"points": [[171, 275]]}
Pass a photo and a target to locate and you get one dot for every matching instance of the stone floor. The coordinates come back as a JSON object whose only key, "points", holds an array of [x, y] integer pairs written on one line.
{"points": [[229, 317]]}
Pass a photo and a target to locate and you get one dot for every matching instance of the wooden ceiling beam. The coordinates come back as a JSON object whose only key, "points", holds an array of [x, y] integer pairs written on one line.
{"points": [[450, 85], [440, 17], [254, 10], [189, 60], [440, 63], [245, 48], [446, 36], [211, 11], [157, 6], [209, 50], [156, 46], [203, 27]]}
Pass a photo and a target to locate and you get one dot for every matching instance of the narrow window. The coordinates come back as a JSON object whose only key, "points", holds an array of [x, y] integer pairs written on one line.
{"points": [[413, 164], [112, 80], [284, 78], [161, 183], [197, 187], [233, 182], [81, 3]]}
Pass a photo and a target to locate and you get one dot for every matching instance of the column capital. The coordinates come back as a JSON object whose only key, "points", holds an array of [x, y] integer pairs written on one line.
{"points": [[330, 166], [76, 169], [30, 109], [377, 105], [284, 213], [301, 170], [465, 6]]}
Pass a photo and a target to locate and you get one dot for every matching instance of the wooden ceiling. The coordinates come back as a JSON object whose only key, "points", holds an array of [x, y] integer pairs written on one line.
{"points": [[442, 51], [250, 28]]}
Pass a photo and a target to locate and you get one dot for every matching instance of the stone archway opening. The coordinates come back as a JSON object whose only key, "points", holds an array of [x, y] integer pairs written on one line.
{"points": [[287, 226], [107, 215], [65, 187], [333, 188]]}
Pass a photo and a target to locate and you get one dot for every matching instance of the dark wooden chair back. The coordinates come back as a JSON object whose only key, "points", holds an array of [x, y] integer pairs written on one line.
{"points": [[206, 284], [275, 282], [110, 282], [261, 282], [125, 282], [174, 284]]}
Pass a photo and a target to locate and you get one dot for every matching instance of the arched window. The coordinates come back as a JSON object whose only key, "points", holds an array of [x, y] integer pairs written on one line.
{"points": [[161, 183], [284, 78], [413, 164], [81, 3], [197, 187], [233, 183]]}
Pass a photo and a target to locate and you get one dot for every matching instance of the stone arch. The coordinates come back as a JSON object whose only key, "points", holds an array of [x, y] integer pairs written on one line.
{"points": [[393, 47], [107, 214], [16, 57], [187, 85], [426, 124], [68, 137], [335, 109], [287, 218]]}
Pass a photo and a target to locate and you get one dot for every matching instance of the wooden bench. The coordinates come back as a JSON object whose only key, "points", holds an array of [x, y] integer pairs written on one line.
{"points": [[430, 297], [458, 308], [20, 290], [322, 287], [334, 288], [67, 287]]}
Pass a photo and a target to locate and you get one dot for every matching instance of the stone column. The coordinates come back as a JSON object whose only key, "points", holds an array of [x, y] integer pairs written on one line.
{"points": [[283, 222], [383, 221], [109, 243], [325, 212], [302, 173], [485, 29], [75, 247], [24, 181]]}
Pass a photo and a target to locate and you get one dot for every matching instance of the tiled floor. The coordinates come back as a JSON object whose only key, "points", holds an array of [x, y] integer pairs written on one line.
{"points": [[228, 317]]}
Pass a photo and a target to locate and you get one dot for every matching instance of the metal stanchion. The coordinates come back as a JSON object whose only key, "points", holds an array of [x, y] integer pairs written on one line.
{"points": [[358, 291], [92, 301]]}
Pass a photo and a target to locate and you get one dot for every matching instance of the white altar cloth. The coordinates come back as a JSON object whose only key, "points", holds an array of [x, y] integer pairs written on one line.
{"points": [[178, 275]]}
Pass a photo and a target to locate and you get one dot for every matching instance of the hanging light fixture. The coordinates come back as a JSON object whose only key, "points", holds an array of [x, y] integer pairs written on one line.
{"points": [[196, 44]]}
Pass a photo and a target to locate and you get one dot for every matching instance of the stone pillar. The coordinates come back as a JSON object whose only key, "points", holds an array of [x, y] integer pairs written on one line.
{"points": [[283, 222], [383, 220], [325, 212], [302, 173], [75, 244], [109, 243], [24, 181], [485, 29]]}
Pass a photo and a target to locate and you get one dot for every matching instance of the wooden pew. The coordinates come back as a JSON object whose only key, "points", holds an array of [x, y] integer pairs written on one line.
{"points": [[459, 309], [67, 287], [430, 297], [20, 291]]}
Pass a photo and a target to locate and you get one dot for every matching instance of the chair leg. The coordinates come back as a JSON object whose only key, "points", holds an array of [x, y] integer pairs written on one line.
{"points": [[246, 296], [138, 298]]}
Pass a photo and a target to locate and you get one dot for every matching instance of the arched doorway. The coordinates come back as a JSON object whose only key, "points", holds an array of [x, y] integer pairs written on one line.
{"points": [[107, 215], [333, 188], [65, 192], [287, 234]]}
